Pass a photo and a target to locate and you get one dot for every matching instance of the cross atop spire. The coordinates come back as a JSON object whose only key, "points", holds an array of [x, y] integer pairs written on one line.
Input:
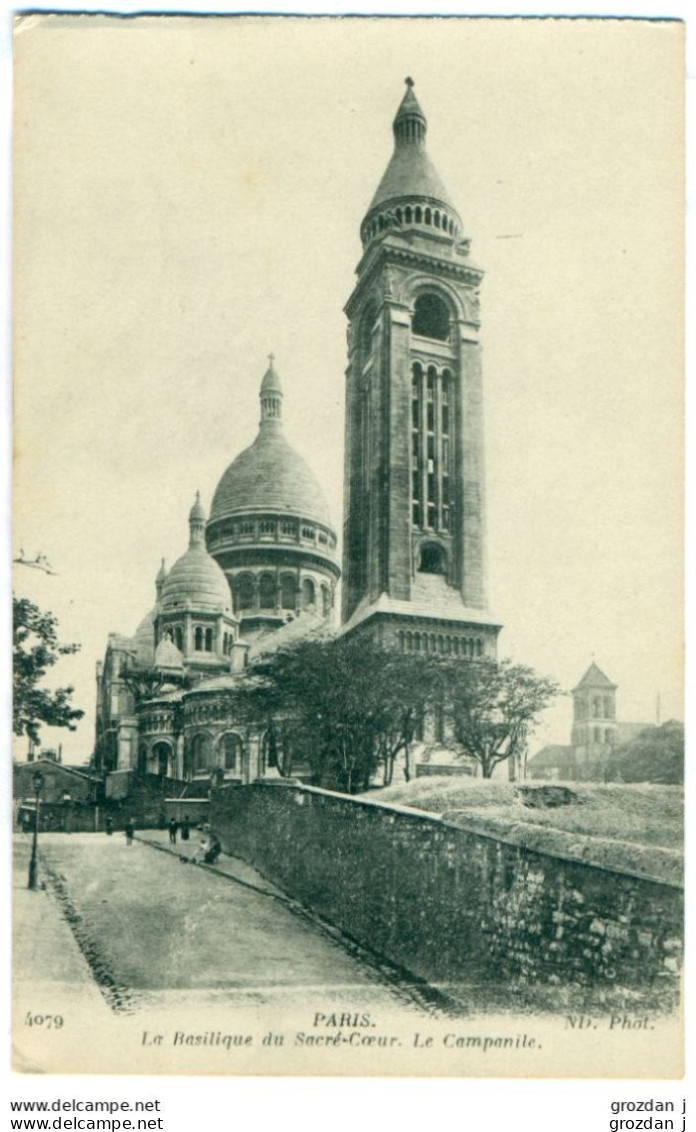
{"points": [[409, 81], [271, 357]]}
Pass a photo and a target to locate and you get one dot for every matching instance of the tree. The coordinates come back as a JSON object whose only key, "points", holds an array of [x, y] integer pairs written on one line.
{"points": [[654, 755], [36, 649], [347, 705], [492, 706]]}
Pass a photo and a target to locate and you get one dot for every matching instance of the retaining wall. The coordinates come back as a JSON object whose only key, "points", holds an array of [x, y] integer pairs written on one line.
{"points": [[449, 904]]}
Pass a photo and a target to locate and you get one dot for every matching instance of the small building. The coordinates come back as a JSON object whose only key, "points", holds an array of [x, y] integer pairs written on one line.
{"points": [[595, 732]]}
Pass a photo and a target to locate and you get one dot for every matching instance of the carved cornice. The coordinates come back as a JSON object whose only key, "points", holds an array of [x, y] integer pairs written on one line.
{"points": [[407, 257]]}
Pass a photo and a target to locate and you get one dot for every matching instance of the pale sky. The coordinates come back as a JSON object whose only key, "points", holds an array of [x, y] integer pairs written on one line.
{"points": [[188, 198]]}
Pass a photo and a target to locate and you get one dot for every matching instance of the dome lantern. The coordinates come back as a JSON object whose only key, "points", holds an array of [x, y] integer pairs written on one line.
{"points": [[160, 580], [271, 395], [196, 579]]}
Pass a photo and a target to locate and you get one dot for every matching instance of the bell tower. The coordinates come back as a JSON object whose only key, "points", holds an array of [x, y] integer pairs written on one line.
{"points": [[414, 533]]}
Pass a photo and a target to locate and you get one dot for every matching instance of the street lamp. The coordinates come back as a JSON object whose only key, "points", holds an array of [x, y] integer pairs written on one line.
{"points": [[37, 781]]}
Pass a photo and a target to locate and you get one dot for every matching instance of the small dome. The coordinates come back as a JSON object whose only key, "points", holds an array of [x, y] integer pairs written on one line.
{"points": [[145, 638], [167, 655], [197, 579]]}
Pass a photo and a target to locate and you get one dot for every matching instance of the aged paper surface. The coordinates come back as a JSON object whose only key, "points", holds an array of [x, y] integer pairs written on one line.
{"points": [[188, 199]]}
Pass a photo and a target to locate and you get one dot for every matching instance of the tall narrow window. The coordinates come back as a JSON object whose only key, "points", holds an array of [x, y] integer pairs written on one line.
{"points": [[198, 639], [267, 591], [244, 592], [209, 640], [288, 591], [416, 388]]}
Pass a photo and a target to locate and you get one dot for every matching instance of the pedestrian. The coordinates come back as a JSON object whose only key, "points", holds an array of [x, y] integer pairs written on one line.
{"points": [[109, 825], [173, 827], [130, 830], [214, 850], [185, 829]]}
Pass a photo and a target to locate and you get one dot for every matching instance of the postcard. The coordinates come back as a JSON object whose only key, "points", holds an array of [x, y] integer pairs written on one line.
{"points": [[347, 547]]}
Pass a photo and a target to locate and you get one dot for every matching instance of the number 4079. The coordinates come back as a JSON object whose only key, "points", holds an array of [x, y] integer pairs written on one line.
{"points": [[50, 1021]]}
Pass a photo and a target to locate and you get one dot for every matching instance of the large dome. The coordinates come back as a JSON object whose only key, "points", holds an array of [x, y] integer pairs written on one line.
{"points": [[196, 579], [270, 476]]}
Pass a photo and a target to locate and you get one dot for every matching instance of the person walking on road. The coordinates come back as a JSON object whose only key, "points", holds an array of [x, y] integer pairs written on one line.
{"points": [[109, 825], [185, 829], [173, 827], [130, 830]]}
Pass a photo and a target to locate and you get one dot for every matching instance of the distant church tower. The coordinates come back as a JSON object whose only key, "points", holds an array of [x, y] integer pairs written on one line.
{"points": [[594, 711], [414, 536]]}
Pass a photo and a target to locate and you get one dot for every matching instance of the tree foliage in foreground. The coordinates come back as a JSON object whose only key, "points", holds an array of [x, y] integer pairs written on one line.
{"points": [[349, 708], [493, 706], [655, 755], [36, 648]]}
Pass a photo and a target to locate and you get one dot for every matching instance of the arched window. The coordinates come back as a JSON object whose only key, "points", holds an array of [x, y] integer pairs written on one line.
{"points": [[179, 638], [408, 214], [419, 214], [244, 592], [288, 591], [431, 317], [325, 601], [432, 559], [308, 594], [267, 591], [409, 642], [231, 752], [400, 635], [209, 640], [607, 708], [161, 754], [597, 707], [428, 216], [202, 753], [479, 648], [198, 639], [436, 219]]}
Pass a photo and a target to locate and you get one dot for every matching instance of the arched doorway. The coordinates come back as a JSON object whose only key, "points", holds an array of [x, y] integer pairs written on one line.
{"points": [[161, 758]]}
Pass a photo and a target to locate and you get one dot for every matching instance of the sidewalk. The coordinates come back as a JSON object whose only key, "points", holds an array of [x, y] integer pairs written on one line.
{"points": [[50, 974]]}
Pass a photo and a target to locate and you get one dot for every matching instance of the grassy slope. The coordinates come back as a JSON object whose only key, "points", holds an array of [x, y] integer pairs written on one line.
{"points": [[644, 814]]}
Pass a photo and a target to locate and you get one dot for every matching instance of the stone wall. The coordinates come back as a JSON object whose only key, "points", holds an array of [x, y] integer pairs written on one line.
{"points": [[452, 905]]}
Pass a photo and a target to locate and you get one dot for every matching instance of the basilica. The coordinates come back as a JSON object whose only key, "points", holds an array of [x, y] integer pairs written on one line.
{"points": [[261, 569]]}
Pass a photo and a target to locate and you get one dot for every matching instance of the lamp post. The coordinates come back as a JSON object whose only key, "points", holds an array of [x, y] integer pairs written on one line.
{"points": [[37, 781]]}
